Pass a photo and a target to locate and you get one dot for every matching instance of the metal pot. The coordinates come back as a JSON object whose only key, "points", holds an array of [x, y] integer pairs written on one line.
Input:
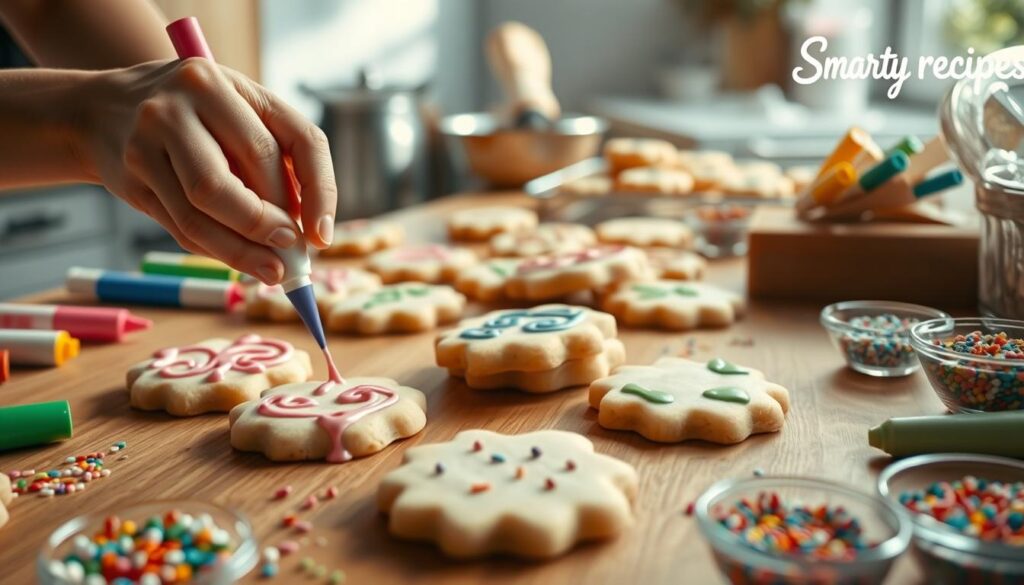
{"points": [[378, 145]]}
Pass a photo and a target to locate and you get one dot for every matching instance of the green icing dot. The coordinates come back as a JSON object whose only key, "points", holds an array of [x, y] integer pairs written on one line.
{"points": [[720, 366], [653, 396], [684, 291], [728, 394]]}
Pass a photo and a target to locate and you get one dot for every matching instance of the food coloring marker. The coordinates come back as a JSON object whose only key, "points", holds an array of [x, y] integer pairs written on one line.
{"points": [[883, 171], [835, 181], [154, 289], [189, 41], [939, 182], [854, 145], [991, 433], [31, 347], [29, 425], [86, 323], [5, 365], [909, 146], [174, 264]]}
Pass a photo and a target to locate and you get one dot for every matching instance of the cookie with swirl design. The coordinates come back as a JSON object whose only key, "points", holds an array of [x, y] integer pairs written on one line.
{"points": [[214, 375], [541, 349]]}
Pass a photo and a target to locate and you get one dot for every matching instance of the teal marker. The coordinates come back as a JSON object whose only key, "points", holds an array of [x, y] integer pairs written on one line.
{"points": [[939, 182], [883, 171]]}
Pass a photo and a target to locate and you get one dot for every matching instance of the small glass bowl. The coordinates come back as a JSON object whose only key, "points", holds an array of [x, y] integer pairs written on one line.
{"points": [[242, 560], [966, 382], [741, 564], [945, 555], [721, 229], [884, 353]]}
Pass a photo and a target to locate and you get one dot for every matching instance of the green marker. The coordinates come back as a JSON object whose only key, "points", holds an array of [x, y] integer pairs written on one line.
{"points": [[909, 146], [995, 433], [187, 265], [34, 424]]}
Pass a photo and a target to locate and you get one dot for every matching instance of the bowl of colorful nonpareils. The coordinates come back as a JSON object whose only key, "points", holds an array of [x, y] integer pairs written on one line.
{"points": [[974, 364], [967, 512], [800, 531]]}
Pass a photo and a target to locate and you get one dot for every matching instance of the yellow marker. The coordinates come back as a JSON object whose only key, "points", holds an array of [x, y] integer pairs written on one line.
{"points": [[834, 182], [37, 347], [188, 265], [854, 147]]}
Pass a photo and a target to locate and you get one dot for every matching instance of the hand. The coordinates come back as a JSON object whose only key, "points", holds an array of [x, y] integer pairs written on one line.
{"points": [[160, 135]]}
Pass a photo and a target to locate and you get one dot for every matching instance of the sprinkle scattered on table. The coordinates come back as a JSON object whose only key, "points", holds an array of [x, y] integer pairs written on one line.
{"points": [[72, 476]]}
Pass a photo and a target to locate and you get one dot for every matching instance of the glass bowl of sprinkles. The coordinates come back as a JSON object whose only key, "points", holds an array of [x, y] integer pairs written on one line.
{"points": [[967, 512], [975, 364], [151, 544], [874, 336], [721, 229], [800, 531]]}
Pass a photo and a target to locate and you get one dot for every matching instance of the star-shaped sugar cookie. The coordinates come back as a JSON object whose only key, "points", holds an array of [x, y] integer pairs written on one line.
{"points": [[214, 375], [479, 224], [359, 237], [677, 399], [673, 305], [397, 308], [593, 269], [421, 262], [533, 495], [330, 285], [335, 421], [548, 238]]}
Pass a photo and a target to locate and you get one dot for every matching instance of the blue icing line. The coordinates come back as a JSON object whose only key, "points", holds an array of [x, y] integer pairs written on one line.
{"points": [[537, 322]]}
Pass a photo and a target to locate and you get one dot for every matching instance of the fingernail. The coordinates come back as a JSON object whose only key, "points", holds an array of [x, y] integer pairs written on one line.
{"points": [[269, 273], [282, 237], [326, 228]]}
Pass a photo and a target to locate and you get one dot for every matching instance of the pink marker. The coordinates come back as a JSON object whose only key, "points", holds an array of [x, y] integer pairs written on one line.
{"points": [[90, 323]]}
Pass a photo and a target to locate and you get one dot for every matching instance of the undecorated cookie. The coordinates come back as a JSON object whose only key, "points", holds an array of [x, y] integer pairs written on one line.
{"points": [[483, 222], [655, 180], [593, 269], [214, 375], [422, 262], [628, 153], [710, 169], [360, 237], [587, 186], [676, 399], [763, 180], [486, 281], [5, 498], [677, 264], [397, 308], [330, 285], [578, 372], [328, 420], [533, 495], [673, 305], [535, 339], [645, 231], [548, 238]]}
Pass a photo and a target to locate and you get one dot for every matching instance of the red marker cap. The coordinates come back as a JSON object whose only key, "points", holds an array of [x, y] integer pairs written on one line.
{"points": [[98, 323], [188, 39], [5, 365], [235, 295]]}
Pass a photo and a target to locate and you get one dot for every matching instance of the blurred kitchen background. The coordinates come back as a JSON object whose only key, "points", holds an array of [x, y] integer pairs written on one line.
{"points": [[710, 74]]}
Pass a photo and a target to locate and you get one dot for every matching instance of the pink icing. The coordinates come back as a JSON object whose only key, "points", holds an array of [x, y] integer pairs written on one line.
{"points": [[369, 398], [421, 253], [249, 354], [332, 370], [568, 259]]}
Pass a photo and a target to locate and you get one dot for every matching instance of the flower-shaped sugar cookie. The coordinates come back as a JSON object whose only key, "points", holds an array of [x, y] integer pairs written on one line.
{"points": [[548, 238], [677, 264], [645, 231], [486, 281], [359, 237], [676, 399], [598, 268], [533, 495], [214, 375], [335, 421], [483, 222], [422, 262], [397, 308], [673, 305], [531, 340], [330, 285]]}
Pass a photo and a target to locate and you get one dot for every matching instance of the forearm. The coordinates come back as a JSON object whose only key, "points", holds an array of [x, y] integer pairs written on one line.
{"points": [[87, 34], [37, 119]]}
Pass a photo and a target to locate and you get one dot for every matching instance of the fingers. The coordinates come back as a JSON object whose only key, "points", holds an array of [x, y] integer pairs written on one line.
{"points": [[310, 155], [142, 199], [208, 184], [205, 232]]}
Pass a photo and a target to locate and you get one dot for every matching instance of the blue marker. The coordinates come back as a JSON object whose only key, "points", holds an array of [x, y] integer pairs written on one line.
{"points": [[154, 289]]}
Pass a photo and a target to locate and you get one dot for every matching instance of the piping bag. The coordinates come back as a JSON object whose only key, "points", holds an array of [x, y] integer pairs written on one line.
{"points": [[189, 41]]}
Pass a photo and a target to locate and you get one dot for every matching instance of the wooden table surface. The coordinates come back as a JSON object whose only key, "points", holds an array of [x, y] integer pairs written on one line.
{"points": [[825, 436]]}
